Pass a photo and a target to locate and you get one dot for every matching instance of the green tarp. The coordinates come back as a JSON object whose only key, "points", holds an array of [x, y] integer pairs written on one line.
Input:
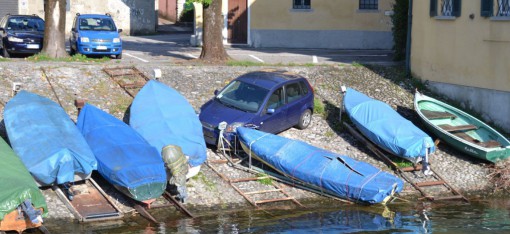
{"points": [[17, 185]]}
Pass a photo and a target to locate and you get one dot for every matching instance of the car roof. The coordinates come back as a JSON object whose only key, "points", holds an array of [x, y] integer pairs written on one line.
{"points": [[27, 16], [94, 15], [268, 78]]}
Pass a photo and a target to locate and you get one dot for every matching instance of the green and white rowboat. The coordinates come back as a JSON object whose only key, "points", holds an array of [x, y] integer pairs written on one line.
{"points": [[461, 130]]}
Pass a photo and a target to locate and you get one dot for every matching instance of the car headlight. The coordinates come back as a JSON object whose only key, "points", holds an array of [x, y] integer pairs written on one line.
{"points": [[14, 39], [116, 40], [233, 126], [84, 39]]}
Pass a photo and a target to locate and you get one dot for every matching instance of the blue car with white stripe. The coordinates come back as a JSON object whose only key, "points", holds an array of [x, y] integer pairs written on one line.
{"points": [[95, 34]]}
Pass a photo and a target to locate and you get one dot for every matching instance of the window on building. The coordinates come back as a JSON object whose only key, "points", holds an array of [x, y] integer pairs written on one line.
{"points": [[446, 8], [368, 4], [498, 8], [301, 4], [503, 8]]}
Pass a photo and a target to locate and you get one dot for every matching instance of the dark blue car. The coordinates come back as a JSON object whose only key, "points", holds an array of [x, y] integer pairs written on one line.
{"points": [[271, 101], [94, 34], [21, 34]]}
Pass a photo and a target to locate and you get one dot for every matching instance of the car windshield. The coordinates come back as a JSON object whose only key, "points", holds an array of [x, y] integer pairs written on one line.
{"points": [[25, 24], [242, 96], [97, 24]]}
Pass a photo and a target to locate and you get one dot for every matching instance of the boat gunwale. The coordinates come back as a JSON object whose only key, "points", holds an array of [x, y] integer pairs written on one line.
{"points": [[424, 97]]}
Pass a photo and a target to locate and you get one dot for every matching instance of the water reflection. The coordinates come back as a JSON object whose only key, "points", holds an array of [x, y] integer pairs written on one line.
{"points": [[422, 217]]}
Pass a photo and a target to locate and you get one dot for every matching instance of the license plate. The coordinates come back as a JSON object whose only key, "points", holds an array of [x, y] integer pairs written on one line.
{"points": [[101, 48], [33, 46]]}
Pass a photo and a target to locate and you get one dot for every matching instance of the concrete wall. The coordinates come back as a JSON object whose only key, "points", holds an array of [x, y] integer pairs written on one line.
{"points": [[466, 58], [328, 24], [133, 16]]}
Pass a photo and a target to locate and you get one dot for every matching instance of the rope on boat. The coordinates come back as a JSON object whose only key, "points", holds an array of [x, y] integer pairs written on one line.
{"points": [[251, 143]]}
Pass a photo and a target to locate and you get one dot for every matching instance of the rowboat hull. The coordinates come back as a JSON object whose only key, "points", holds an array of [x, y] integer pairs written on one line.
{"points": [[382, 125], [334, 174], [47, 141], [125, 159], [461, 130]]}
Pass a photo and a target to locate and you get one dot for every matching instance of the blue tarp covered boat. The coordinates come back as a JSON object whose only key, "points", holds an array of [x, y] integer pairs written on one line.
{"points": [[164, 117], [386, 128], [124, 158], [47, 141], [323, 170]]}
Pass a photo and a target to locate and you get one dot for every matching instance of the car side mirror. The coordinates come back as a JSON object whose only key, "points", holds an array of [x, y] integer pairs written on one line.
{"points": [[120, 30], [73, 29], [215, 92], [270, 111]]}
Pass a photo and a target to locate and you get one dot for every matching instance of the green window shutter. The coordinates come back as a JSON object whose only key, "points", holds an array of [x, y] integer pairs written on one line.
{"points": [[456, 8], [487, 8], [433, 8]]}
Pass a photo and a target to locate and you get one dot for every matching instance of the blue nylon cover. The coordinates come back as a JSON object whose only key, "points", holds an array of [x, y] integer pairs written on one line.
{"points": [[164, 117], [125, 158], [340, 175], [385, 127], [46, 139]]}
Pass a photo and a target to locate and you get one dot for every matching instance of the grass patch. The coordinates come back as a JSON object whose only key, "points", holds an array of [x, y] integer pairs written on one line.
{"points": [[318, 107], [201, 178], [402, 163], [2, 59], [329, 134], [75, 58], [243, 63], [264, 179], [356, 64]]}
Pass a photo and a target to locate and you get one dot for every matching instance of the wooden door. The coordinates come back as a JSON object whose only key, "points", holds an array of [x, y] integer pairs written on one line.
{"points": [[237, 21]]}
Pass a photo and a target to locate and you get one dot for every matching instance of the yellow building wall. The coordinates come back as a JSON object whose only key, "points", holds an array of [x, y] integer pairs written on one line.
{"points": [[324, 15], [463, 51]]}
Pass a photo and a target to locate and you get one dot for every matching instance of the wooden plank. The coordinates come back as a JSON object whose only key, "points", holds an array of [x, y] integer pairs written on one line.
{"points": [[263, 191], [415, 168], [274, 200], [438, 114], [430, 183], [451, 128]]}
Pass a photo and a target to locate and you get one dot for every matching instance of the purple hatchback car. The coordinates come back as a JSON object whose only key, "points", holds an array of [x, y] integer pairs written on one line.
{"points": [[271, 101]]}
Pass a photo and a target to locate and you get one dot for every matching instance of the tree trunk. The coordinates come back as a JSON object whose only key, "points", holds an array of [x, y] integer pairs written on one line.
{"points": [[54, 45], [212, 48]]}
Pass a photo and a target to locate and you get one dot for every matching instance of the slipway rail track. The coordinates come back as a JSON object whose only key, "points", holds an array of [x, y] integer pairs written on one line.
{"points": [[436, 179], [131, 80]]}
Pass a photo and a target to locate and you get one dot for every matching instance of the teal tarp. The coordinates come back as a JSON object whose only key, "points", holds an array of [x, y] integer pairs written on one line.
{"points": [[46, 139], [386, 128], [164, 117]]}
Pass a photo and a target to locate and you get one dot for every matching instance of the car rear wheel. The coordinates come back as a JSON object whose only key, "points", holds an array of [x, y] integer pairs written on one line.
{"points": [[72, 52], [305, 119]]}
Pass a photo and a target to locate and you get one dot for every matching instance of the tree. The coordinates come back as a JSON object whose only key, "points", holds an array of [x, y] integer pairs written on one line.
{"points": [[54, 45], [399, 20], [212, 46]]}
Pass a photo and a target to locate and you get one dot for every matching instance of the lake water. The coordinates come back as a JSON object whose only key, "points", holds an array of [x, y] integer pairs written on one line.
{"points": [[484, 216]]}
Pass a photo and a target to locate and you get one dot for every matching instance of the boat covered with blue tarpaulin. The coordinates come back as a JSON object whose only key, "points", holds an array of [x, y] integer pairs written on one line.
{"points": [[164, 117], [322, 170], [124, 158], [46, 140], [382, 125]]}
